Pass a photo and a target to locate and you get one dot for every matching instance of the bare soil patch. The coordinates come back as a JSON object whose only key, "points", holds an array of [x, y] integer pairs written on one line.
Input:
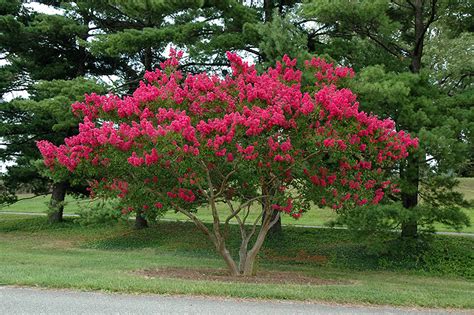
{"points": [[222, 275], [302, 256]]}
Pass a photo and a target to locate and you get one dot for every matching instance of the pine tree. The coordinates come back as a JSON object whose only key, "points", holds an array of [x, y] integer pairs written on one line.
{"points": [[48, 64], [397, 35]]}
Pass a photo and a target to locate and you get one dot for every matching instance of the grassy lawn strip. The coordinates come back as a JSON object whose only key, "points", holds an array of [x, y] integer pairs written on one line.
{"points": [[315, 217], [40, 204], [107, 258]]}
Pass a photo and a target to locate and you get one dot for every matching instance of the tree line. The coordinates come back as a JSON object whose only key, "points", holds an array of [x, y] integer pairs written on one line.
{"points": [[412, 58]]}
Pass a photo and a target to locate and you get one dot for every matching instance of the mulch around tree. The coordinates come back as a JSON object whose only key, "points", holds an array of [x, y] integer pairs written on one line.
{"points": [[222, 275]]}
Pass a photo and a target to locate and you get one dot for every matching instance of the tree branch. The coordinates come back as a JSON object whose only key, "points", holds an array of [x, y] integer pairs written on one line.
{"points": [[245, 204]]}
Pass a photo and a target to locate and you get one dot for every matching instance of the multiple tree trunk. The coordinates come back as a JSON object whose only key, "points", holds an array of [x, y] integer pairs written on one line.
{"points": [[252, 236], [247, 257]]}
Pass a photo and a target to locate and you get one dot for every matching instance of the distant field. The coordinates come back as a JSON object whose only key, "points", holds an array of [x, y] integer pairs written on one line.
{"points": [[466, 186], [40, 204], [315, 217]]}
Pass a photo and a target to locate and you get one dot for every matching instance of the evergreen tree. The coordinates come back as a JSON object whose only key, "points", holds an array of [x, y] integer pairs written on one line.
{"points": [[398, 36], [48, 65]]}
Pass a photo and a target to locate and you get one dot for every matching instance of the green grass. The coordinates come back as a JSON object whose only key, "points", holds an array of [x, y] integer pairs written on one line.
{"points": [[39, 204], [466, 187], [33, 252], [315, 217]]}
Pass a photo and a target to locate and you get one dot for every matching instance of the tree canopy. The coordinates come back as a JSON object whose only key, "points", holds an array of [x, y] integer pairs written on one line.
{"points": [[183, 141], [412, 59]]}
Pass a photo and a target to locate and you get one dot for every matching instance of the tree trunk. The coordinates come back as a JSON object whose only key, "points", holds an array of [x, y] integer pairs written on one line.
{"points": [[249, 265], [420, 29], [233, 269], [148, 59], [276, 229], [410, 177], [140, 222], [243, 254], [410, 174], [56, 204], [266, 203], [268, 10]]}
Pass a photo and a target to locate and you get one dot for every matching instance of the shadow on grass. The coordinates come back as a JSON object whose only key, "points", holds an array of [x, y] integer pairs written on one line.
{"points": [[14, 223], [295, 247]]}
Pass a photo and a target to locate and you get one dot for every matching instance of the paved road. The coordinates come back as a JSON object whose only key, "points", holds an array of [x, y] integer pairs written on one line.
{"points": [[14, 300], [294, 225]]}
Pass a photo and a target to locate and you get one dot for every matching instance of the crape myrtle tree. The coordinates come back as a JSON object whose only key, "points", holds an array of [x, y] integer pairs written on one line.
{"points": [[181, 142]]}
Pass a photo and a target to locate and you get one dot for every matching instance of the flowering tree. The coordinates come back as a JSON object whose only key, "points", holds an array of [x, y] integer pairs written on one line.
{"points": [[180, 142]]}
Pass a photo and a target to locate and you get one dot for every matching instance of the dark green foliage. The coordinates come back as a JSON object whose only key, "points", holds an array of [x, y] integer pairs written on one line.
{"points": [[440, 255], [43, 59], [45, 115], [280, 37], [103, 212], [437, 255], [412, 58]]}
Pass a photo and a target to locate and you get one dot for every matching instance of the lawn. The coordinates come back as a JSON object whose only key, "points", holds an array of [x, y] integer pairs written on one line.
{"points": [[466, 186], [107, 257], [30, 203], [39, 204], [315, 217]]}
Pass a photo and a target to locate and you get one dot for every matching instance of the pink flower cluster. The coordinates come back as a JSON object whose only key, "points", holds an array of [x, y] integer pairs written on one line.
{"points": [[266, 121]]}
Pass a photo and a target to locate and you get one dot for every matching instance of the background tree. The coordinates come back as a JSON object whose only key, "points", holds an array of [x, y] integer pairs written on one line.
{"points": [[45, 114], [405, 89], [48, 65]]}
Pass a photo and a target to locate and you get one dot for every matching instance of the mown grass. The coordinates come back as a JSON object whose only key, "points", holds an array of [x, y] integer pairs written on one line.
{"points": [[39, 204], [466, 187], [105, 257], [315, 217]]}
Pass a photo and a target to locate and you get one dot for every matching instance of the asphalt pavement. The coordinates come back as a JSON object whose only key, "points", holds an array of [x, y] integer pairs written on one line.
{"points": [[20, 300]]}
